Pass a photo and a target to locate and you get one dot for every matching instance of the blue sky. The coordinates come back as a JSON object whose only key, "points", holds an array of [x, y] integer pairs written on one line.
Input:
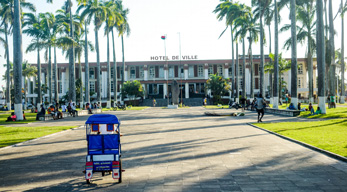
{"points": [[150, 19]]}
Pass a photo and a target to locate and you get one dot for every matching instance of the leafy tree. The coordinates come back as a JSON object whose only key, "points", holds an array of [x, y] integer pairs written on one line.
{"points": [[283, 66], [218, 86], [132, 89]]}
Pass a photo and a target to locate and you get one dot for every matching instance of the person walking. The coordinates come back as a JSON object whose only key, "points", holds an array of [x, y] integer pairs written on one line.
{"points": [[260, 107]]}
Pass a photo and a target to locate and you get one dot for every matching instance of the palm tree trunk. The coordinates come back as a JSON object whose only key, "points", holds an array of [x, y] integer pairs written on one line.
{"points": [[310, 69], [320, 56], [123, 66], [17, 60], [244, 94], [108, 70], [232, 64], [294, 65], [237, 72], [98, 70], [342, 97], [252, 67], [56, 87], [80, 74], [86, 68], [276, 74], [262, 61], [72, 85], [39, 92], [332, 67], [115, 80], [50, 75], [8, 80], [327, 64], [270, 73]]}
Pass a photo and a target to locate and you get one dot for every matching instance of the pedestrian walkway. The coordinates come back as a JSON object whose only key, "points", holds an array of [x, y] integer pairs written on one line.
{"points": [[176, 150]]}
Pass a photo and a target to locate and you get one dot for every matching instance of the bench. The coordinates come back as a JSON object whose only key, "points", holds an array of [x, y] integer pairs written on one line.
{"points": [[285, 112], [47, 117]]}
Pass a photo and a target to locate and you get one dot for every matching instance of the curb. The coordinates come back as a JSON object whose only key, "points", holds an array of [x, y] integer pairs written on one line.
{"points": [[28, 141], [328, 153]]}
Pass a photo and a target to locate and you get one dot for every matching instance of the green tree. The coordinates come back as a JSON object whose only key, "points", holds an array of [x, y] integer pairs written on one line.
{"points": [[283, 66], [218, 86], [28, 71], [230, 11], [342, 56], [306, 36], [32, 27], [132, 89], [96, 10]]}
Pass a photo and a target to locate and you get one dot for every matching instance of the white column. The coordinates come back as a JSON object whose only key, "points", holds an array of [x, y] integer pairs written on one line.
{"points": [[165, 90], [206, 71], [144, 90], [43, 79], [289, 80], [29, 85], [126, 75], [187, 90], [145, 73], [185, 71], [63, 83], [226, 70], [104, 83], [166, 73]]}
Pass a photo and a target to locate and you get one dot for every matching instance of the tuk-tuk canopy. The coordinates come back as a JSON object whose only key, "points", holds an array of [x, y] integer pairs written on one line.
{"points": [[103, 119]]}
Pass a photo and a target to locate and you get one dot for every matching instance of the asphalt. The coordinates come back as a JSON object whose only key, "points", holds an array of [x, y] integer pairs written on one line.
{"points": [[175, 150]]}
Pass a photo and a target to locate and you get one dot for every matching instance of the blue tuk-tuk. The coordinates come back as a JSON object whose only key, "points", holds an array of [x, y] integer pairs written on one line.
{"points": [[104, 147]]}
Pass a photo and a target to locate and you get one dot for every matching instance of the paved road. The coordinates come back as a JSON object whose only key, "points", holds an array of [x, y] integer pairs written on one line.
{"points": [[175, 150]]}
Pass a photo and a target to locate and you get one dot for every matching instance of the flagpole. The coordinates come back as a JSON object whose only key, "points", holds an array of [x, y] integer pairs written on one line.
{"points": [[167, 75], [179, 35]]}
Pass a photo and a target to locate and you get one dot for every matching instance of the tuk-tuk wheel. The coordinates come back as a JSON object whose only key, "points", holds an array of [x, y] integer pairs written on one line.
{"points": [[88, 181], [120, 172]]}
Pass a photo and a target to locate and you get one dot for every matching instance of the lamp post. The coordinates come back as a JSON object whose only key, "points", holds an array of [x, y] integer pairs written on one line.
{"points": [[179, 36]]}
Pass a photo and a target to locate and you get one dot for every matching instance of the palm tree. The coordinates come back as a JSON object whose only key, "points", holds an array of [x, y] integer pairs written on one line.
{"points": [[28, 72], [113, 19], [230, 11], [241, 28], [320, 55], [246, 24], [32, 26], [294, 69], [342, 59], [95, 9], [261, 6], [276, 75], [305, 35], [283, 66], [331, 65], [123, 28]]}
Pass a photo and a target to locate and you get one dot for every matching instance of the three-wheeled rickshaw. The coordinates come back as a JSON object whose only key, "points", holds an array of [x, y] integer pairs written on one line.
{"points": [[104, 147]]}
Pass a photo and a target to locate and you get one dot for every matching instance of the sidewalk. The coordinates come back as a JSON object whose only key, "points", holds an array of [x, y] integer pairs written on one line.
{"points": [[176, 150]]}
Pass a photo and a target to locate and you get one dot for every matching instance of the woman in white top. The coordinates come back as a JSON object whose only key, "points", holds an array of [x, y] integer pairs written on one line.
{"points": [[260, 107]]}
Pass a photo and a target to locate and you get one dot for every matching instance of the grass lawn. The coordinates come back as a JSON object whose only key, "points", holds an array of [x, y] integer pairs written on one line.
{"points": [[13, 135], [338, 112], [31, 117], [330, 135]]}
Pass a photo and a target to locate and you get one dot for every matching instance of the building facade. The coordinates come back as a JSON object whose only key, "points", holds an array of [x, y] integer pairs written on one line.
{"points": [[157, 77]]}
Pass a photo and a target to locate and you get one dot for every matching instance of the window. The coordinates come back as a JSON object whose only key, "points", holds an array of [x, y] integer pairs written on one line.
{"points": [[200, 71], [300, 69], [112, 88], [151, 72], [191, 71], [182, 72], [210, 70], [132, 72], [171, 72], [230, 72], [161, 72], [299, 82], [240, 69], [240, 83], [91, 73], [60, 88], [112, 72], [92, 86], [220, 70], [141, 72]]}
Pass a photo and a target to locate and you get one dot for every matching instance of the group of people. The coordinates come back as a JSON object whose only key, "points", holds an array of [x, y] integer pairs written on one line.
{"points": [[310, 108], [13, 117]]}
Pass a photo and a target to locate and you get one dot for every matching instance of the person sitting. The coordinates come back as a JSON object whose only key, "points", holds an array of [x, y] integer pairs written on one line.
{"points": [[73, 110], [12, 117], [291, 107], [41, 113], [312, 111], [299, 107], [24, 116], [318, 111], [51, 110], [88, 108], [63, 108]]}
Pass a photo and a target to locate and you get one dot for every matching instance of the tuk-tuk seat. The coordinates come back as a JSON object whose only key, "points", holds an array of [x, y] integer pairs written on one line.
{"points": [[103, 144]]}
